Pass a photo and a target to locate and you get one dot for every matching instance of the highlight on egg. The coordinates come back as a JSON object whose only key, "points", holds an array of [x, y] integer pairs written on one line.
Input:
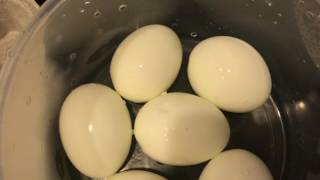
{"points": [[136, 175], [236, 164], [230, 73], [181, 129], [95, 130], [146, 63]]}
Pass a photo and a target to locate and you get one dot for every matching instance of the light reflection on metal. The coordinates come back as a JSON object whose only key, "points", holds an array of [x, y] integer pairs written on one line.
{"points": [[300, 105]]}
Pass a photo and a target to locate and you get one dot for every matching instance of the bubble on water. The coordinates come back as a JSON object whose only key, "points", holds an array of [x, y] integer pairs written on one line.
{"points": [[247, 5], [87, 3], [318, 66], [310, 14], [269, 3], [194, 34], [28, 101], [122, 7], [260, 15], [280, 14], [275, 22], [301, 1], [303, 61], [82, 10], [252, 1], [97, 13], [63, 15]]}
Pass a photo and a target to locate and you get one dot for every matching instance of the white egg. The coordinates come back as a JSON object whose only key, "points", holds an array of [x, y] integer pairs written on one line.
{"points": [[95, 129], [146, 63], [181, 129], [136, 175], [236, 164], [230, 73]]}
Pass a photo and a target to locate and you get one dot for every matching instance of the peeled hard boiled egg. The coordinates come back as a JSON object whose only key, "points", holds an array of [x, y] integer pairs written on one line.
{"points": [[181, 129], [146, 63], [95, 129], [138, 175], [236, 164], [230, 73]]}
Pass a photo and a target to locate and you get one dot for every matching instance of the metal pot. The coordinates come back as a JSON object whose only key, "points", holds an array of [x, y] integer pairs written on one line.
{"points": [[71, 42]]}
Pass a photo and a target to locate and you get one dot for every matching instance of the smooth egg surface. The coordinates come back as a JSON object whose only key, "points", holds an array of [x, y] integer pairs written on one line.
{"points": [[136, 175], [236, 164]]}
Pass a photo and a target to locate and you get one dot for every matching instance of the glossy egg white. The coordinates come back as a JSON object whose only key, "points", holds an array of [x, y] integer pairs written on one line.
{"points": [[181, 129], [146, 63], [236, 164], [230, 73], [136, 175], [95, 129]]}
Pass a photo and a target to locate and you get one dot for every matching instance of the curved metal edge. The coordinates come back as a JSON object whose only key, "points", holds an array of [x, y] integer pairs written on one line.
{"points": [[9, 66], [284, 137]]}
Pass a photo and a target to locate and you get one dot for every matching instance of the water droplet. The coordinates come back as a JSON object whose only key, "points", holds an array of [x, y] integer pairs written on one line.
{"points": [[318, 66], [73, 82], [122, 7], [303, 61], [97, 13], [87, 3], [82, 10], [310, 14], [269, 3], [100, 31], [279, 14], [194, 34], [72, 57], [59, 38], [174, 24], [260, 15], [63, 15], [301, 1], [28, 101], [275, 22]]}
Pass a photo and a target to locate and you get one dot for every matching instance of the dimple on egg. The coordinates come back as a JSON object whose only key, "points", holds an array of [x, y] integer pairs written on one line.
{"points": [[181, 129], [146, 63], [230, 73], [95, 129]]}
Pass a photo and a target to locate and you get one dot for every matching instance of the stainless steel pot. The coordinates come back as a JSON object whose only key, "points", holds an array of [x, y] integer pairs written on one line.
{"points": [[71, 42]]}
